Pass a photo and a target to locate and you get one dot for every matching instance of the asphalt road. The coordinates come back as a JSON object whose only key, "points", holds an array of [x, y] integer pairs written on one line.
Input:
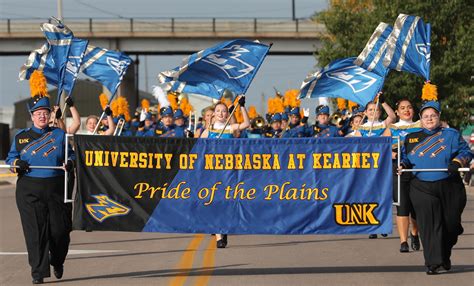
{"points": [[120, 258]]}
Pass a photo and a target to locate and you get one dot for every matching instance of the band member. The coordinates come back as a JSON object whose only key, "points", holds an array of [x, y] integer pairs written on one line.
{"points": [[145, 125], [438, 197], [275, 127], [284, 121], [298, 127], [218, 129], [180, 127], [373, 126], [166, 126], [45, 218], [322, 128], [402, 128]]}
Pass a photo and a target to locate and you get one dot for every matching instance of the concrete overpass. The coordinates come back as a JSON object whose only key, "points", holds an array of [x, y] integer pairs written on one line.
{"points": [[162, 36]]}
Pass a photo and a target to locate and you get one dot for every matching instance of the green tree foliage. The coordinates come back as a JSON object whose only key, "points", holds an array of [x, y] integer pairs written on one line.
{"points": [[350, 24]]}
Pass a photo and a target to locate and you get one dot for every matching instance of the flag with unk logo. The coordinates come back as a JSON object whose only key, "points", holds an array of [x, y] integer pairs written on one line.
{"points": [[107, 67], [409, 46], [371, 58], [343, 79], [229, 65]]}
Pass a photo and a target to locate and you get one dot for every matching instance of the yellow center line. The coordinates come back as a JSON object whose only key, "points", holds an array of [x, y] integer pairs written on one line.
{"points": [[7, 175], [186, 261], [207, 263]]}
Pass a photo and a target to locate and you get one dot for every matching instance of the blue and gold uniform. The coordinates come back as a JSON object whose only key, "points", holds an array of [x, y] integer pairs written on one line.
{"points": [[214, 132], [323, 130], [295, 130], [438, 197], [372, 130], [45, 218]]}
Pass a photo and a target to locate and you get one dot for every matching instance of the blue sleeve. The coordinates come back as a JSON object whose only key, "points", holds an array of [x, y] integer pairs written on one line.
{"points": [[463, 154], [13, 154]]}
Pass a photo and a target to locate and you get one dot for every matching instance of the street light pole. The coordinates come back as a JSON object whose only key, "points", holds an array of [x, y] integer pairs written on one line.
{"points": [[292, 9]]}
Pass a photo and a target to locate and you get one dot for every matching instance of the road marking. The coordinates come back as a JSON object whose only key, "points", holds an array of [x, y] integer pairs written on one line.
{"points": [[70, 252], [7, 175], [186, 261], [207, 263]]}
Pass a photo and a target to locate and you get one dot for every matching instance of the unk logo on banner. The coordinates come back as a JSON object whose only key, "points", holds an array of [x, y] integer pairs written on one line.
{"points": [[355, 77], [424, 50], [229, 61], [116, 65], [105, 208]]}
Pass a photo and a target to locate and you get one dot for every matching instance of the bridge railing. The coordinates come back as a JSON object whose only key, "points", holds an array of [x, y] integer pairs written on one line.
{"points": [[169, 25]]}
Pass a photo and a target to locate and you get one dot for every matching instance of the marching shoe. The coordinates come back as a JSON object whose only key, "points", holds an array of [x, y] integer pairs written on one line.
{"points": [[432, 270], [58, 271], [220, 243], [224, 238], [37, 281], [415, 242], [372, 236], [447, 265], [384, 235], [404, 247]]}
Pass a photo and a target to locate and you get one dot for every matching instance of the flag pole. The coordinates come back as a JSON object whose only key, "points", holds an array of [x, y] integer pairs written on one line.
{"points": [[228, 119]]}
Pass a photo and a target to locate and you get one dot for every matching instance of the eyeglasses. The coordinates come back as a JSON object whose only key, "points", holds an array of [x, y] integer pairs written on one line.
{"points": [[41, 114], [432, 116]]}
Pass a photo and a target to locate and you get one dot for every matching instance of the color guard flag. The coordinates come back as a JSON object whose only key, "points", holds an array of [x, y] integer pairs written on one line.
{"points": [[40, 59], [343, 79], [409, 46], [76, 54], [229, 65], [372, 56], [108, 67]]}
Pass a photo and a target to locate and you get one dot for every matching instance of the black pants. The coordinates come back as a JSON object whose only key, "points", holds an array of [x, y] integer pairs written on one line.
{"points": [[438, 206], [406, 206], [46, 222]]}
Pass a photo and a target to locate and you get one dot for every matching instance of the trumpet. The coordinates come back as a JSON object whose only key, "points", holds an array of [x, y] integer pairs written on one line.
{"points": [[336, 118], [119, 127], [257, 123]]}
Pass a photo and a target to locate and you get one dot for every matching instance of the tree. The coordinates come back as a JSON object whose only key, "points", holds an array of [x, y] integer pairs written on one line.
{"points": [[350, 23]]}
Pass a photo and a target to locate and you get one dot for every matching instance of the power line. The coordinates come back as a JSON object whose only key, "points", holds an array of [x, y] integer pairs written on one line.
{"points": [[100, 9]]}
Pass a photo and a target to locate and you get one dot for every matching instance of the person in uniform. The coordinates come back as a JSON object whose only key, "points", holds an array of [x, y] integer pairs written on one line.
{"points": [[298, 127], [438, 197], [275, 127], [221, 114], [374, 126], [145, 125], [180, 128], [207, 115], [166, 127], [45, 218], [402, 128], [322, 128], [284, 121]]}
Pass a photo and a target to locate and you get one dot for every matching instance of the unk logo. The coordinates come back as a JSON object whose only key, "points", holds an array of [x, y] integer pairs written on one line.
{"points": [[356, 214], [105, 208], [355, 77], [230, 61], [424, 50], [116, 65]]}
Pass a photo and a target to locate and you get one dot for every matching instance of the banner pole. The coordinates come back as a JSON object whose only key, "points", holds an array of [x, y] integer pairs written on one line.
{"points": [[33, 167], [434, 170], [398, 174]]}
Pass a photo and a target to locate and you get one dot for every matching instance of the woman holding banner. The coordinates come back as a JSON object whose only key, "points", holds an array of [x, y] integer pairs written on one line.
{"points": [[221, 129], [402, 128], [438, 197]]}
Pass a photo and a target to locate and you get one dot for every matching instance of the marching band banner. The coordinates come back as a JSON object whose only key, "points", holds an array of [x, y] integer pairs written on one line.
{"points": [[234, 186]]}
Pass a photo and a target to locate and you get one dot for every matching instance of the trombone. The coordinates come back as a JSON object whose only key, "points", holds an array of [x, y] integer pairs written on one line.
{"points": [[119, 127]]}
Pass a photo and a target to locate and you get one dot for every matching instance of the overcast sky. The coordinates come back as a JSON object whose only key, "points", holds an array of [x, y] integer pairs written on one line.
{"points": [[282, 72]]}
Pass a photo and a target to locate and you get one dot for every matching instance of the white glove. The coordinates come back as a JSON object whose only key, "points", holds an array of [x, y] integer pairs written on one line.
{"points": [[143, 115], [306, 112]]}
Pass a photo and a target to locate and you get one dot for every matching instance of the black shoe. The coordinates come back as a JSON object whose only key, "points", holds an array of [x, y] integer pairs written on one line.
{"points": [[58, 271], [404, 247], [37, 281], [220, 244], [372, 236], [415, 242], [447, 265], [432, 270], [384, 235], [224, 238]]}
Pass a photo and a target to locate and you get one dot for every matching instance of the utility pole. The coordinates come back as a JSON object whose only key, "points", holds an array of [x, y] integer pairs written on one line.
{"points": [[293, 9], [60, 10]]}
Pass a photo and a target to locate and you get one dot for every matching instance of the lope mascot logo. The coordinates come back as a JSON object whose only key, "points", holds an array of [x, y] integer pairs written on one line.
{"points": [[230, 60], [355, 77], [116, 65], [105, 208]]}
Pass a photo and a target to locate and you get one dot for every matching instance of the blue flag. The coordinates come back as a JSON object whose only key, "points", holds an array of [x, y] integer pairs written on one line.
{"points": [[372, 56], [59, 38], [229, 65], [343, 79], [107, 67], [76, 54], [40, 59], [409, 46]]}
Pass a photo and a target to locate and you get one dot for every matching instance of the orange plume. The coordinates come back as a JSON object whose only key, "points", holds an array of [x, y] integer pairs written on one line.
{"points": [[104, 100], [38, 84]]}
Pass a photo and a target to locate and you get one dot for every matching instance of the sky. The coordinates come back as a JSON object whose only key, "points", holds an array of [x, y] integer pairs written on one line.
{"points": [[280, 72]]}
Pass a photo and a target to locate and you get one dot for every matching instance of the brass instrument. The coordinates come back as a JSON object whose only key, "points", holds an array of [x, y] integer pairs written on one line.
{"points": [[336, 118], [119, 127], [257, 123]]}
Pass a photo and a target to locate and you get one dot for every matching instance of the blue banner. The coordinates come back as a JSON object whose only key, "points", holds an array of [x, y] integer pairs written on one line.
{"points": [[236, 186], [343, 79], [229, 65], [409, 46], [107, 67]]}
